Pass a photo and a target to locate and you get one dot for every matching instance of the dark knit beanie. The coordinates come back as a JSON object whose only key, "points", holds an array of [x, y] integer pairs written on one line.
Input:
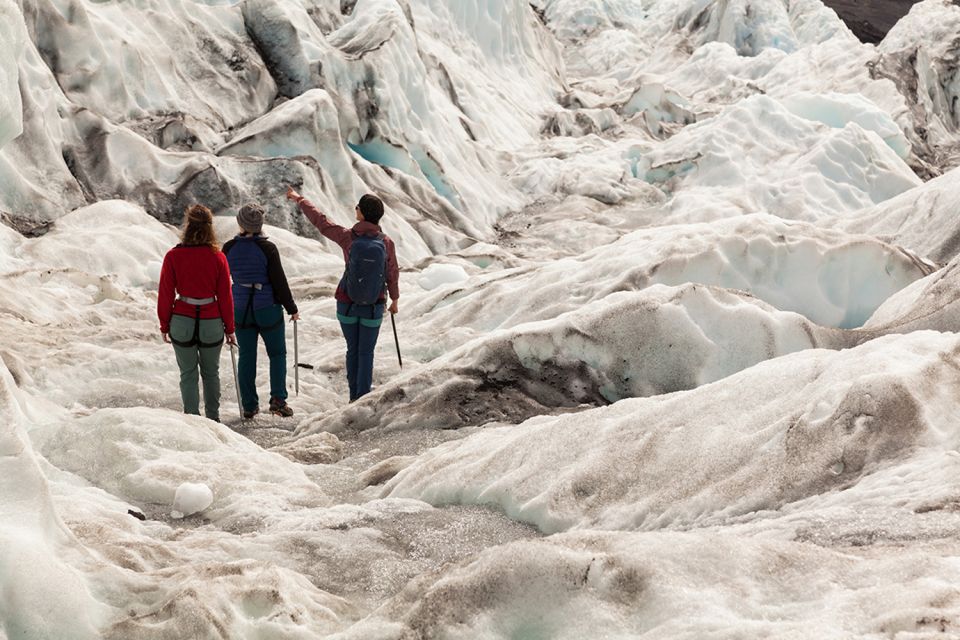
{"points": [[250, 218]]}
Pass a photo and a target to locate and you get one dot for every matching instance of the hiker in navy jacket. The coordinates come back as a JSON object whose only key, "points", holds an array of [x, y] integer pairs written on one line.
{"points": [[260, 293], [360, 319]]}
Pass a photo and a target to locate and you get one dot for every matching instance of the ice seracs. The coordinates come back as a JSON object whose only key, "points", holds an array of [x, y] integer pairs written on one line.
{"points": [[919, 54], [794, 266], [786, 164]]}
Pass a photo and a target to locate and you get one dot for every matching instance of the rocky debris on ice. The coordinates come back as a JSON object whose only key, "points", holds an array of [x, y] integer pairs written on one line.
{"points": [[920, 54], [319, 448], [626, 345]]}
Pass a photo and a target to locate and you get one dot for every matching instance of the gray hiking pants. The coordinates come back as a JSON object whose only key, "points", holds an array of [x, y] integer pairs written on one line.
{"points": [[196, 362]]}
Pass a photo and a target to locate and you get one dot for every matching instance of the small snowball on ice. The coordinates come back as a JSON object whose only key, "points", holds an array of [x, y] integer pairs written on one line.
{"points": [[440, 274], [190, 499]]}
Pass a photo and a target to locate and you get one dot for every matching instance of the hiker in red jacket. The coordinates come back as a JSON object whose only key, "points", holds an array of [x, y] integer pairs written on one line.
{"points": [[195, 308], [371, 272]]}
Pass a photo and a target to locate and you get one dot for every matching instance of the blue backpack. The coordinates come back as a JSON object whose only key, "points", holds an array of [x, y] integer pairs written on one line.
{"points": [[366, 271]]}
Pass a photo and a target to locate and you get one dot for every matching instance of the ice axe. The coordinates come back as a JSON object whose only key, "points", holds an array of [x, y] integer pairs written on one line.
{"points": [[297, 365], [236, 383]]}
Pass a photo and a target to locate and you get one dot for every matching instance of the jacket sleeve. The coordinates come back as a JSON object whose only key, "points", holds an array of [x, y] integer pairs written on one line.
{"points": [[278, 279], [340, 235], [166, 293], [393, 271], [225, 295]]}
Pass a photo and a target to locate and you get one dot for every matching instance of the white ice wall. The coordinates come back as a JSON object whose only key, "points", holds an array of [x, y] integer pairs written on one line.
{"points": [[12, 35]]}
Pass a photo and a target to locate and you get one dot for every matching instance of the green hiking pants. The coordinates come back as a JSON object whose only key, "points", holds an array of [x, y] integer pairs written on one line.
{"points": [[196, 362]]}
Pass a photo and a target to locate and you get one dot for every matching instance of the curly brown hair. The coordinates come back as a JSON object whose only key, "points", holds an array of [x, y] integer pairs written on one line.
{"points": [[198, 227]]}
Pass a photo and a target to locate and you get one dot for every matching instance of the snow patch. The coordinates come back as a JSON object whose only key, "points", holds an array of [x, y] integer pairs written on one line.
{"points": [[437, 275], [190, 498]]}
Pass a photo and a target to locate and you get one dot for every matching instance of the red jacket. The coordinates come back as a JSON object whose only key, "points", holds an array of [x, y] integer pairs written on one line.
{"points": [[344, 237], [195, 272]]}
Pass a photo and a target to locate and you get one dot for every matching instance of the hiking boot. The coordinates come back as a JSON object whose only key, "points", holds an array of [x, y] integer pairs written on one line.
{"points": [[280, 408], [248, 415]]}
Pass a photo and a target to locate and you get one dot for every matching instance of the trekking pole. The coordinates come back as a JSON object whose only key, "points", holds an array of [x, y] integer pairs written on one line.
{"points": [[236, 383], [297, 365], [296, 359], [396, 340]]}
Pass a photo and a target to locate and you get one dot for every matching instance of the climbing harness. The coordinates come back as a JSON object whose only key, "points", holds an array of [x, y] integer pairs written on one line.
{"points": [[195, 341]]}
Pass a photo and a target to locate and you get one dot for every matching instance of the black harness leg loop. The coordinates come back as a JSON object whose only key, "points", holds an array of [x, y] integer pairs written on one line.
{"points": [[195, 340], [250, 312]]}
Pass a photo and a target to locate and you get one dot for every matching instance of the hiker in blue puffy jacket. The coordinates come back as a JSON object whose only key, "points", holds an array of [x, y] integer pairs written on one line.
{"points": [[260, 294], [371, 272]]}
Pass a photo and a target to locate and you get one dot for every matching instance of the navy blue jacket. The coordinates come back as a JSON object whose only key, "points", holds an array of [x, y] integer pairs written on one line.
{"points": [[255, 260]]}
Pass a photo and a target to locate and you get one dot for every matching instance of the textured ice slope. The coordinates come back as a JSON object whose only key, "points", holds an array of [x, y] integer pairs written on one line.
{"points": [[672, 585], [930, 303], [790, 165], [788, 429], [923, 219], [832, 278], [39, 550]]}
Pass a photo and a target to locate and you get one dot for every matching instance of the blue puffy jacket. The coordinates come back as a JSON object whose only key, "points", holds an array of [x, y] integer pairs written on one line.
{"points": [[255, 260]]}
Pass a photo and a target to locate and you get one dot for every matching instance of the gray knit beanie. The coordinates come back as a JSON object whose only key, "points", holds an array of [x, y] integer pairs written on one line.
{"points": [[250, 218]]}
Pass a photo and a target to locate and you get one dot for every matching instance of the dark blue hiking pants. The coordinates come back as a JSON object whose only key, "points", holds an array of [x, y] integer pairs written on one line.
{"points": [[267, 324], [361, 327]]}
